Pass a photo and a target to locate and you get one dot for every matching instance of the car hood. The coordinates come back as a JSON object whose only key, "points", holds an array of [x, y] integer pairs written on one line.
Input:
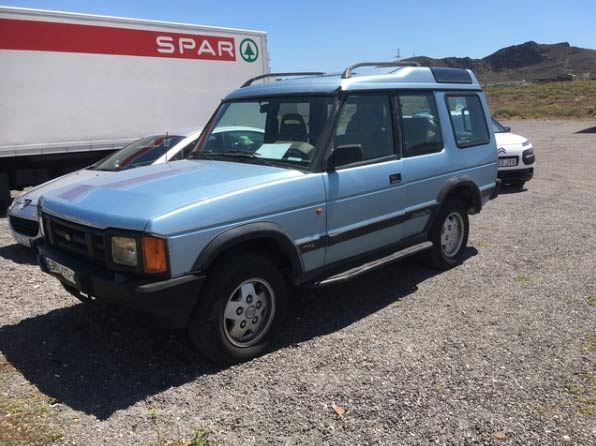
{"points": [[56, 183], [509, 139], [130, 199]]}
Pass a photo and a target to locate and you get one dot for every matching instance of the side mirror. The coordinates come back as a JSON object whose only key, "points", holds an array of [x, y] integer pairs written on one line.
{"points": [[342, 155]]}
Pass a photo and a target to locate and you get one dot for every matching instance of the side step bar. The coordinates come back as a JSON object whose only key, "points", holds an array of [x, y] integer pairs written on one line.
{"points": [[351, 273]]}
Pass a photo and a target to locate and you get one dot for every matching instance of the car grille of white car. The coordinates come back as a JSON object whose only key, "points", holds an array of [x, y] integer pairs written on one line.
{"points": [[82, 241]]}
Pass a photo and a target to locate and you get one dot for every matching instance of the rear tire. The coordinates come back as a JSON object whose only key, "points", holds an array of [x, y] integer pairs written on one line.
{"points": [[449, 235], [240, 308]]}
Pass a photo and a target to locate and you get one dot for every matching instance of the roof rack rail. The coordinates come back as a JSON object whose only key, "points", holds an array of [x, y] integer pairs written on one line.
{"points": [[348, 71], [264, 76]]}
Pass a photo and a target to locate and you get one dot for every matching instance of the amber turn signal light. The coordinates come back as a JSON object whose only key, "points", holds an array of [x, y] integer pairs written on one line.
{"points": [[154, 255]]}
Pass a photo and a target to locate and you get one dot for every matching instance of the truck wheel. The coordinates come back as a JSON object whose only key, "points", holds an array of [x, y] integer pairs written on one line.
{"points": [[449, 234], [242, 305]]}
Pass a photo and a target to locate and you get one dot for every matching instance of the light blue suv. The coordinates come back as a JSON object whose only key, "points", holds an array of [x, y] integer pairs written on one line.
{"points": [[315, 180]]}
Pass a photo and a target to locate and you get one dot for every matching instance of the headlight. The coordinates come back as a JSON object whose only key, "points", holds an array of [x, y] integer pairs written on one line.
{"points": [[124, 251], [526, 143], [528, 156]]}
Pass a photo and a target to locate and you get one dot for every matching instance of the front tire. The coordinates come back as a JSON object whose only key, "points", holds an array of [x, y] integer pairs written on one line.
{"points": [[240, 309], [449, 235]]}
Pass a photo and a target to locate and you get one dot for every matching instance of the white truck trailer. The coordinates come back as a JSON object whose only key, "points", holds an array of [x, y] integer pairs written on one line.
{"points": [[75, 86]]}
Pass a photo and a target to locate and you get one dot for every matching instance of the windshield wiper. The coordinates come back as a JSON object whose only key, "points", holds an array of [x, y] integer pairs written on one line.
{"points": [[243, 155], [246, 155]]}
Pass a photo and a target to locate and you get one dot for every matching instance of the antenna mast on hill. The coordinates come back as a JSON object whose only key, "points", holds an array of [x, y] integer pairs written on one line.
{"points": [[398, 55]]}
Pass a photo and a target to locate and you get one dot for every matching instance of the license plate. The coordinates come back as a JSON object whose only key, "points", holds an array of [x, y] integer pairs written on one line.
{"points": [[63, 271], [506, 162]]}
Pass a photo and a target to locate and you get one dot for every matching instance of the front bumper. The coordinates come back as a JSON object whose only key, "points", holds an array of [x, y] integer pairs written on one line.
{"points": [[21, 239], [172, 300], [508, 176], [23, 223]]}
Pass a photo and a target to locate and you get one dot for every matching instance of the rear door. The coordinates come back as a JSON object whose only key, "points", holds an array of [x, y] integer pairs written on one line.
{"points": [[426, 160], [365, 200]]}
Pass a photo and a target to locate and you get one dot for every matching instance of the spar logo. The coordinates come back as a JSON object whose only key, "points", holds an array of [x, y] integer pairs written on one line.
{"points": [[249, 50], [205, 47], [199, 47]]}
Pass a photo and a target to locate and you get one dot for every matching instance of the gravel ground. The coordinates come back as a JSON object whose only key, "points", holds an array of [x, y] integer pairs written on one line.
{"points": [[500, 350]]}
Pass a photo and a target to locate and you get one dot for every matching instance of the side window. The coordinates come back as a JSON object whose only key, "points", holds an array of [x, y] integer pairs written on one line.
{"points": [[468, 120], [420, 127], [366, 120]]}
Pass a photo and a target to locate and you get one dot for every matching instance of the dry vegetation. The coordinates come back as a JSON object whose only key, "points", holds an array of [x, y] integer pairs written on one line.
{"points": [[26, 417], [556, 100]]}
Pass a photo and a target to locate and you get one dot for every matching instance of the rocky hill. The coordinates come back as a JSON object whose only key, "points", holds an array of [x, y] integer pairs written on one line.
{"points": [[529, 61]]}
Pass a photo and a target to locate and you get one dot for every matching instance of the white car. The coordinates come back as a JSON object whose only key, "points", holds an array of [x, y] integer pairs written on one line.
{"points": [[516, 156], [154, 149]]}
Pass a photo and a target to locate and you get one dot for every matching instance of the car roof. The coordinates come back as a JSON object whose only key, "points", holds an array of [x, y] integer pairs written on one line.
{"points": [[407, 77]]}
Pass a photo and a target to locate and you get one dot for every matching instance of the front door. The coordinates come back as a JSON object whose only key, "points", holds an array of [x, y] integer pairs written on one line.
{"points": [[365, 200]]}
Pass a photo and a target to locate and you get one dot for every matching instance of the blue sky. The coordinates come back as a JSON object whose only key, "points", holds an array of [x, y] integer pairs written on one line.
{"points": [[328, 35]]}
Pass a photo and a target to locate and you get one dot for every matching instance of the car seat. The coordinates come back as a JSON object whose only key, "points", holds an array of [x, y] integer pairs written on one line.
{"points": [[292, 128]]}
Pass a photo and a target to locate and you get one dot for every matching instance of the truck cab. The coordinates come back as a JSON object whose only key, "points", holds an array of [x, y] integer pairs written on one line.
{"points": [[321, 177]]}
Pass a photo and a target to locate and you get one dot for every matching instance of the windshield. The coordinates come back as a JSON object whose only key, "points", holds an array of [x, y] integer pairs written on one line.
{"points": [[138, 153], [280, 131], [497, 127]]}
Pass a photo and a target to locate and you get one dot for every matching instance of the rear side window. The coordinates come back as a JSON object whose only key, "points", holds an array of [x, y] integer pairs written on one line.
{"points": [[420, 128], [468, 120]]}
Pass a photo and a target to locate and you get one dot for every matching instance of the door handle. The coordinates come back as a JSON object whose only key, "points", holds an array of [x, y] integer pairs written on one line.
{"points": [[395, 178]]}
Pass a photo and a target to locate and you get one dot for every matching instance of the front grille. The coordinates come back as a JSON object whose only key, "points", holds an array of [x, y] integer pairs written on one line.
{"points": [[82, 241], [24, 226]]}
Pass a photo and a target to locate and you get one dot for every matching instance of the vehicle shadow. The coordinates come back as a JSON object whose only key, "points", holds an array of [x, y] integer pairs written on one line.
{"points": [[588, 130], [322, 311], [505, 190], [99, 359], [19, 254]]}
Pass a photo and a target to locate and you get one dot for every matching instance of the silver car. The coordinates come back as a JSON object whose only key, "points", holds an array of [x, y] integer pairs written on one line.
{"points": [[153, 149]]}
